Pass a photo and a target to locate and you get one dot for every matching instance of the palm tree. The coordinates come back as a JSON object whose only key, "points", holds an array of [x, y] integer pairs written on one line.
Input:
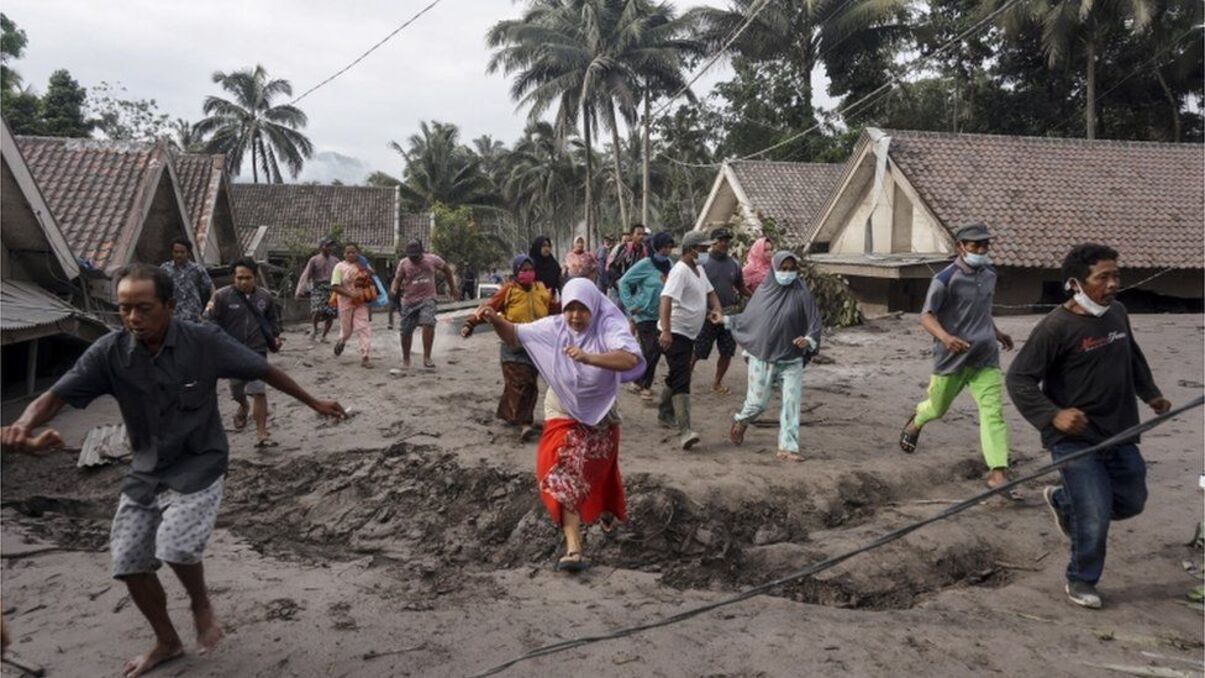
{"points": [[185, 137], [542, 182], [593, 60], [439, 169], [250, 122], [1070, 24], [801, 33]]}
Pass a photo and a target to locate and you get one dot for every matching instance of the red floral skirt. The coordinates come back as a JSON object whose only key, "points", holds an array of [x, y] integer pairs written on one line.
{"points": [[578, 469]]}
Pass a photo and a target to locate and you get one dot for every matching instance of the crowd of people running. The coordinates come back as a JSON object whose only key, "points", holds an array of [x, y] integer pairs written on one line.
{"points": [[586, 326]]}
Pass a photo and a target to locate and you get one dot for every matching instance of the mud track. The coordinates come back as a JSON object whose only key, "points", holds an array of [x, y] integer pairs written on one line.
{"points": [[420, 513]]}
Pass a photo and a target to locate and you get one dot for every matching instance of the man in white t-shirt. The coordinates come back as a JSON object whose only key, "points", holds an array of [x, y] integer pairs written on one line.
{"points": [[687, 301]]}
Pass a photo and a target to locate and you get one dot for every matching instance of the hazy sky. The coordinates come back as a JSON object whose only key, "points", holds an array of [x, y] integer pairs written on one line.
{"points": [[168, 49]]}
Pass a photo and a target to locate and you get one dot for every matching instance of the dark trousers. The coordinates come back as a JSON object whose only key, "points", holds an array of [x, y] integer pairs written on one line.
{"points": [[1102, 487], [519, 394], [648, 335], [678, 357]]}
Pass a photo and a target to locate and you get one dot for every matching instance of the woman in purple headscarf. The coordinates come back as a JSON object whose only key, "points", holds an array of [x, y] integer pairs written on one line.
{"points": [[584, 354]]}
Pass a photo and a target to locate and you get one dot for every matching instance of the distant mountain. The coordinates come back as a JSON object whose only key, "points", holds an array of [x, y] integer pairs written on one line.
{"points": [[328, 166]]}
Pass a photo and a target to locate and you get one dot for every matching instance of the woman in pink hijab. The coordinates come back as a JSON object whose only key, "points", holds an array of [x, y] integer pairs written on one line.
{"points": [[757, 262], [584, 354], [580, 262]]}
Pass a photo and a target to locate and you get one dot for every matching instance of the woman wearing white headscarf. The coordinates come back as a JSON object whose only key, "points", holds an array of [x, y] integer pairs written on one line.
{"points": [[779, 330], [584, 354]]}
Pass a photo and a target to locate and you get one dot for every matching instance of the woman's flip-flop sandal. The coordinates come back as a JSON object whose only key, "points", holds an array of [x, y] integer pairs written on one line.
{"points": [[789, 456], [572, 562], [908, 440], [736, 434], [264, 443], [721, 390]]}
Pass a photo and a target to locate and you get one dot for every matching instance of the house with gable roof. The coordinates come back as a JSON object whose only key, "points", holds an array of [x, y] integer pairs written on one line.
{"points": [[888, 223], [44, 321], [115, 202], [790, 193], [205, 189]]}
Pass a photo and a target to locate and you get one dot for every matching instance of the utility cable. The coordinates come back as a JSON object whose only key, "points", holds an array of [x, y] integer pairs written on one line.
{"points": [[370, 50], [1124, 436]]}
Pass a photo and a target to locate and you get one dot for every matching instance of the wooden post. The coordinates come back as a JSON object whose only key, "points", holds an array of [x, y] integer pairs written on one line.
{"points": [[31, 370]]}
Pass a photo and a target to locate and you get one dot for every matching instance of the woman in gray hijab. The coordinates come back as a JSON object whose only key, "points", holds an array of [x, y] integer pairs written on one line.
{"points": [[779, 330]]}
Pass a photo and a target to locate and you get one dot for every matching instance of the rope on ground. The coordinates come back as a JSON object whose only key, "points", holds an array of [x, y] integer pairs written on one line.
{"points": [[1124, 436]]}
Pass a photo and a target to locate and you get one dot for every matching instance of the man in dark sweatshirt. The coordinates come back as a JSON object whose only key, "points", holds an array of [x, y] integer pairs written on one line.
{"points": [[246, 312], [1077, 380]]}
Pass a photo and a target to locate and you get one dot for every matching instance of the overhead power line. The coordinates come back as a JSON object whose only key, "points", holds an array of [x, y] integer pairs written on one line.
{"points": [[370, 50], [874, 95], [710, 62]]}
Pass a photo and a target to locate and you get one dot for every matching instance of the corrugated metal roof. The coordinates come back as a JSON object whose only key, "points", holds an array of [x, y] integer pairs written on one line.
{"points": [[24, 305]]}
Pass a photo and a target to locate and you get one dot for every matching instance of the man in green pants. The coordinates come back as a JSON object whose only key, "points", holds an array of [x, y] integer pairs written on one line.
{"points": [[966, 349]]}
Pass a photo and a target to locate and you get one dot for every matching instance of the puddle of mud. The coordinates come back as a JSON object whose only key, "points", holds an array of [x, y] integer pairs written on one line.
{"points": [[422, 514]]}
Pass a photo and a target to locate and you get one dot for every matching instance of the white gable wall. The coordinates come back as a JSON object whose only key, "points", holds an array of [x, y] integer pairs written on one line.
{"points": [[898, 214]]}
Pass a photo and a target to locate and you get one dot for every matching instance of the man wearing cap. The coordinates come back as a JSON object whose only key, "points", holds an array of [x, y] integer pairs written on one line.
{"points": [[966, 349], [726, 278], [415, 281], [687, 302], [315, 280]]}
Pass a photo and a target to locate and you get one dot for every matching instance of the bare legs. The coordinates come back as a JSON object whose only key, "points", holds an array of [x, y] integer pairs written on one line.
{"points": [[259, 412], [721, 368], [571, 525], [147, 593], [428, 343], [407, 342], [326, 320]]}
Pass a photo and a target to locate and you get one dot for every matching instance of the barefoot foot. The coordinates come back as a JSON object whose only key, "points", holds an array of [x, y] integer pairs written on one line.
{"points": [[145, 662], [209, 631]]}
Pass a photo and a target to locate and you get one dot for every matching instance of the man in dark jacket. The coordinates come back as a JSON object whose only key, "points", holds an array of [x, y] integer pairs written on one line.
{"points": [[246, 312], [1077, 380]]}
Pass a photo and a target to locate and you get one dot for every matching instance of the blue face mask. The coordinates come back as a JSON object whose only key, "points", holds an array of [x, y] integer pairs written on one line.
{"points": [[976, 260], [660, 258], [785, 277]]}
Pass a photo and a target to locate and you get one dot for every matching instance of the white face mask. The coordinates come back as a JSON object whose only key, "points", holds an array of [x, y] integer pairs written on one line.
{"points": [[785, 277], [976, 260], [1085, 302]]}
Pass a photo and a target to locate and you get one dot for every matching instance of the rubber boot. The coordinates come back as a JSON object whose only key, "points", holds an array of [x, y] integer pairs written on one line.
{"points": [[665, 410], [686, 437]]}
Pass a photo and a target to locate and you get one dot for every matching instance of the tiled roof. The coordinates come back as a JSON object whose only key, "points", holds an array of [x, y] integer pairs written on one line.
{"points": [[792, 193], [299, 215], [1040, 196], [200, 179], [96, 189], [415, 227]]}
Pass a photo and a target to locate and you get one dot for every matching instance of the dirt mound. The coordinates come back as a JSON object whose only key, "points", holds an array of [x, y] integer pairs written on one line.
{"points": [[420, 512]]}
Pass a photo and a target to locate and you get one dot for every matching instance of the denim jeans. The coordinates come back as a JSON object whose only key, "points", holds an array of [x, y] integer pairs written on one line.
{"points": [[1101, 487]]}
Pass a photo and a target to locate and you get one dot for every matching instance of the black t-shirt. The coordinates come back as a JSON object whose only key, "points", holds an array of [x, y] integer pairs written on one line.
{"points": [[1081, 361]]}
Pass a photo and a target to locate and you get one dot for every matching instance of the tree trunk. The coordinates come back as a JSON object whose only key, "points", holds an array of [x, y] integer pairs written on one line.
{"points": [[1173, 103], [254, 170], [644, 164], [616, 151], [589, 178], [1090, 103]]}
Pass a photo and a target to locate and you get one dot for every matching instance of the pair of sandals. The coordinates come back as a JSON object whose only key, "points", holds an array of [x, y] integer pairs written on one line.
{"points": [[240, 423], [736, 435], [909, 441]]}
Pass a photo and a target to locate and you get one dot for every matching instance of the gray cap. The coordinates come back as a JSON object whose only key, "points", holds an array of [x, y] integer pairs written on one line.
{"points": [[972, 233], [694, 239]]}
